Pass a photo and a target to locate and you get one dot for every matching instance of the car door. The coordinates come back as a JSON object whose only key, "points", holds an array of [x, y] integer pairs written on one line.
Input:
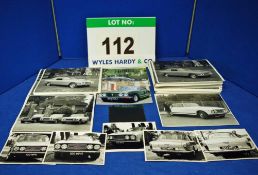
{"points": [[173, 72]]}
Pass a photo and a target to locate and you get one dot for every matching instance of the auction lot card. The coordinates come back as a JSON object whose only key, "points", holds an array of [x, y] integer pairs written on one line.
{"points": [[124, 86], [76, 148], [51, 113], [193, 110], [227, 144], [126, 136], [172, 145], [68, 81], [25, 148]]}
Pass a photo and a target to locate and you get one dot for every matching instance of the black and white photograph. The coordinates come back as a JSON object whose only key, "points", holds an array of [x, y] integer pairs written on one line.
{"points": [[25, 148], [76, 148], [227, 144], [51, 113], [124, 86], [68, 81], [172, 145], [186, 71], [126, 136], [193, 110]]}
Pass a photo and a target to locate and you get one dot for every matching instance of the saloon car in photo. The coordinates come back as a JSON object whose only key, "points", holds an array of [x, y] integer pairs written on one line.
{"points": [[126, 94], [29, 146], [33, 119], [77, 146], [181, 72], [193, 109], [54, 118], [132, 136], [226, 142], [170, 143], [76, 119], [67, 81]]}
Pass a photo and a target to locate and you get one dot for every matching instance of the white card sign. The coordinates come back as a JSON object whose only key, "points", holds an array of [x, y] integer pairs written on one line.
{"points": [[121, 42]]}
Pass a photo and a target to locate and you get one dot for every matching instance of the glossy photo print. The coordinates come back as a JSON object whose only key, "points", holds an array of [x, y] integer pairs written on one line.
{"points": [[126, 136]]}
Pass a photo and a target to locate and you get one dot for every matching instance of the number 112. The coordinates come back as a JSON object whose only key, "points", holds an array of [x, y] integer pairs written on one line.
{"points": [[117, 42]]}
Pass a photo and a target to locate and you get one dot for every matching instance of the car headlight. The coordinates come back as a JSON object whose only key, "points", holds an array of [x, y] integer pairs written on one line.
{"points": [[132, 137], [120, 94], [22, 148], [44, 148], [103, 95], [16, 148], [127, 137], [110, 137], [125, 94], [64, 146], [89, 146], [57, 146], [97, 147]]}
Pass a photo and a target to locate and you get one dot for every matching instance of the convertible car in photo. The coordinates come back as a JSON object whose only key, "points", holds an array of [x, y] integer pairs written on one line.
{"points": [[225, 142], [132, 136], [181, 72], [67, 81], [126, 94], [76, 119], [193, 109], [169, 143], [29, 145], [77, 146]]}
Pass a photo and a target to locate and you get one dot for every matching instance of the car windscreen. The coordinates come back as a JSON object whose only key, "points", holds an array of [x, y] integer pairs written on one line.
{"points": [[173, 137], [128, 88], [80, 137], [33, 138]]}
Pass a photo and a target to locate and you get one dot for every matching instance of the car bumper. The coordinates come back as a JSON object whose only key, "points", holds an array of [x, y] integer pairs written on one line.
{"points": [[28, 154], [217, 115], [124, 141], [229, 151]]}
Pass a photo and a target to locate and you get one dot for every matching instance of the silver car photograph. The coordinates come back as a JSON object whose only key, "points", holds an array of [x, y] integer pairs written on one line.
{"points": [[194, 110], [126, 136], [51, 113], [68, 80], [227, 144], [172, 145]]}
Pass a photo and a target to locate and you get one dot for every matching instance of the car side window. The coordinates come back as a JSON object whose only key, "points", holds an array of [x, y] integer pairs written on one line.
{"points": [[173, 69], [59, 79]]}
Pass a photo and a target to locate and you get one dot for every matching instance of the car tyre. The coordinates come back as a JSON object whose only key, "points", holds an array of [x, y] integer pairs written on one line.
{"points": [[193, 76], [135, 98], [202, 114], [72, 85]]}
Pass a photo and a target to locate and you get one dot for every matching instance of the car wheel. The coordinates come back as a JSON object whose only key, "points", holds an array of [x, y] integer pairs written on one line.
{"points": [[72, 85], [135, 98], [202, 114], [165, 75], [34, 121], [48, 84], [80, 122], [160, 154], [193, 76], [56, 121]]}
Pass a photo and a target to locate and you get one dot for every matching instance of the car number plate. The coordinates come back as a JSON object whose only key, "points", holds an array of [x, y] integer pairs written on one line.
{"points": [[112, 98], [31, 155], [76, 154]]}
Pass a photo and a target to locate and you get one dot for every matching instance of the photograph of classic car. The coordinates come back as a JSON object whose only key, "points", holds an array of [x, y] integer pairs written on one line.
{"points": [[46, 113], [69, 80], [125, 94], [227, 144], [25, 147], [171, 145], [76, 148], [186, 71], [126, 136], [194, 110], [124, 86]]}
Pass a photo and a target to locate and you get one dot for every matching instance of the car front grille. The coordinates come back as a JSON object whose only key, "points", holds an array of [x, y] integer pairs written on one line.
{"points": [[77, 146], [119, 137], [33, 148], [112, 94]]}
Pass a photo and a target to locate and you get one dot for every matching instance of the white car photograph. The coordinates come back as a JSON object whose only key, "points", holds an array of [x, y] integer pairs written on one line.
{"points": [[227, 144], [68, 81], [76, 148], [194, 110], [62, 112]]}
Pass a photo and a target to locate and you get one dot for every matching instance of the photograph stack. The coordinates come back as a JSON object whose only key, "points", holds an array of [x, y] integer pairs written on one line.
{"points": [[187, 76]]}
